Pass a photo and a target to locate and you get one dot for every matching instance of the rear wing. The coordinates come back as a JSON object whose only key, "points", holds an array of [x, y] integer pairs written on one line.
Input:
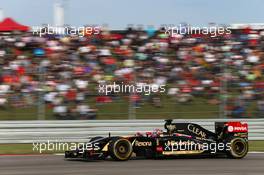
{"points": [[232, 128]]}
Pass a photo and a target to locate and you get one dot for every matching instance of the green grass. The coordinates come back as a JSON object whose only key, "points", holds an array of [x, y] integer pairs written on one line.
{"points": [[28, 148], [256, 146], [119, 109]]}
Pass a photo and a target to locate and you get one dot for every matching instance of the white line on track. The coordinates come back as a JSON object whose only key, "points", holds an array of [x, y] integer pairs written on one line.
{"points": [[251, 152]]}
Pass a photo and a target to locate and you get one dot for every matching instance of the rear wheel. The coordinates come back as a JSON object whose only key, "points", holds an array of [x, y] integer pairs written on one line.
{"points": [[120, 149], [238, 148]]}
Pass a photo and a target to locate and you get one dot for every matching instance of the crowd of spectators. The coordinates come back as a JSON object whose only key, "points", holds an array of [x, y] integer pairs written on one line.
{"points": [[66, 70]]}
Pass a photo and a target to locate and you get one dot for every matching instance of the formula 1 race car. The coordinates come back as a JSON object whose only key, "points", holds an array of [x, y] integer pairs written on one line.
{"points": [[230, 139]]}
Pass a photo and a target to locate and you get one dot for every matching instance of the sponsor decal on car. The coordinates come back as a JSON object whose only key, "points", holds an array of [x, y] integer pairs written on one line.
{"points": [[137, 143], [197, 131], [171, 127], [237, 127]]}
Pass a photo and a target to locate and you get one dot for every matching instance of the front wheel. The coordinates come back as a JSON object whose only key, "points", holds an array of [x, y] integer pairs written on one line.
{"points": [[120, 149], [238, 148]]}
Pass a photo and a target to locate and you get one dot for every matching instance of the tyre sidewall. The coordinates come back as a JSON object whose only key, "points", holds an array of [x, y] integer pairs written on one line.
{"points": [[113, 146], [232, 153]]}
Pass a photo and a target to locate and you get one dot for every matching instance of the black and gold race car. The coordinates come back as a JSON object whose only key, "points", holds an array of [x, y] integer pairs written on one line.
{"points": [[230, 139]]}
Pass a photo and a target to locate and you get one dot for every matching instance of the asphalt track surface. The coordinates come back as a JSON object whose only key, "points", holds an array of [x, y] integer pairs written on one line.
{"points": [[253, 164]]}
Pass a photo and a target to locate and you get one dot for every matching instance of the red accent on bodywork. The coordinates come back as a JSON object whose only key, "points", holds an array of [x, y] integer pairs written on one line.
{"points": [[237, 127], [159, 149], [148, 133]]}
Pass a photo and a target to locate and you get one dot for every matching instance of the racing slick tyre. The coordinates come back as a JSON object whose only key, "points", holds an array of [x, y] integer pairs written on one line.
{"points": [[238, 148], [120, 149]]}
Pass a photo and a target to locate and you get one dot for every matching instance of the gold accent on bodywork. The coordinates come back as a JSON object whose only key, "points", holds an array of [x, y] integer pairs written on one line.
{"points": [[182, 152], [105, 148], [133, 142], [197, 131]]}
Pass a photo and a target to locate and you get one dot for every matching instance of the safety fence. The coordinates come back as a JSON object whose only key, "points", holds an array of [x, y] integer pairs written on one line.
{"points": [[82, 130]]}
